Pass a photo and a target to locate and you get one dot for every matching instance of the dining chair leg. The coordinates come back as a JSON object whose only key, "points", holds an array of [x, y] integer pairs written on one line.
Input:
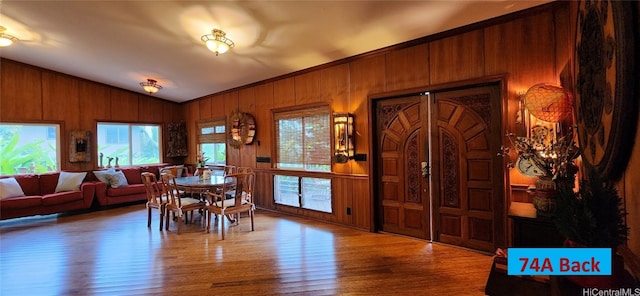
{"points": [[166, 218], [251, 215], [148, 217], [207, 221], [161, 217], [222, 225], [180, 224]]}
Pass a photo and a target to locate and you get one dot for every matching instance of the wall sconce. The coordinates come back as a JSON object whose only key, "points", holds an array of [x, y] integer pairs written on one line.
{"points": [[343, 137]]}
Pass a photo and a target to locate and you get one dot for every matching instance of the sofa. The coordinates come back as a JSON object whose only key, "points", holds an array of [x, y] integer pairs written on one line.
{"points": [[47, 193], [111, 189]]}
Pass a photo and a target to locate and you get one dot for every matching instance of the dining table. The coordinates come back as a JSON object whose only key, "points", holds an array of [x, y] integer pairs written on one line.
{"points": [[197, 184]]}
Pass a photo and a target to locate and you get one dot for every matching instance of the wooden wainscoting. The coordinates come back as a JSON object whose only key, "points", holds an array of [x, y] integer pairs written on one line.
{"points": [[112, 252]]}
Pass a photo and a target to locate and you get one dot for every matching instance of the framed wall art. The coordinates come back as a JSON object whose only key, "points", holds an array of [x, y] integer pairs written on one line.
{"points": [[80, 146]]}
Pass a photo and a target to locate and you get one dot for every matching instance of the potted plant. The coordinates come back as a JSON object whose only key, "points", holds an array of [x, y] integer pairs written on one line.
{"points": [[551, 161], [593, 217]]}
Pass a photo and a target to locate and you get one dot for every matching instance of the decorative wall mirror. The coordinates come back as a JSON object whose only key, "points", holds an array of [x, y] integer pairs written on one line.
{"points": [[242, 129]]}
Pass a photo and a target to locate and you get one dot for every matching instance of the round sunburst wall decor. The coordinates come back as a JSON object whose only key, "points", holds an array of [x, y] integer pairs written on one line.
{"points": [[242, 129], [605, 67]]}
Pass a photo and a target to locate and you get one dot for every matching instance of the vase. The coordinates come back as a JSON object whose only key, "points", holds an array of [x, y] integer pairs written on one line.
{"points": [[544, 196], [206, 174]]}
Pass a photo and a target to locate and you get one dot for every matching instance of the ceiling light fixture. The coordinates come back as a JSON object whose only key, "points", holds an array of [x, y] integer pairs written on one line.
{"points": [[151, 86], [6, 39], [217, 42]]}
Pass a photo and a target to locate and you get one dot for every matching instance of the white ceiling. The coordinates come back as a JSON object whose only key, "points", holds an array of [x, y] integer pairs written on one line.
{"points": [[122, 43]]}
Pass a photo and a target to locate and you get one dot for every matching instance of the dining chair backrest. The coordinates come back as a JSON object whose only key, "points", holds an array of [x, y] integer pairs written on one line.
{"points": [[239, 186], [153, 188], [170, 188], [244, 170], [229, 169]]}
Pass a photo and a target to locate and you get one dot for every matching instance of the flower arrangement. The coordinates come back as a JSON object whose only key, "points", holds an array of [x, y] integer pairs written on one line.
{"points": [[554, 158], [201, 159]]}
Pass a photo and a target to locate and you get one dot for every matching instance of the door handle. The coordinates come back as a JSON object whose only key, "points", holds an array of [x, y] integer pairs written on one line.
{"points": [[425, 169]]}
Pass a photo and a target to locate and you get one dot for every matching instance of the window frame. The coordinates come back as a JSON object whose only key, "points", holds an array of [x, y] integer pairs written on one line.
{"points": [[59, 148], [301, 112], [130, 125], [302, 173], [214, 138]]}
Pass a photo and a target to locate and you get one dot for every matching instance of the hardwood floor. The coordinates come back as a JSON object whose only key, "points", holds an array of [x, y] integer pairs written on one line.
{"points": [[112, 252]]}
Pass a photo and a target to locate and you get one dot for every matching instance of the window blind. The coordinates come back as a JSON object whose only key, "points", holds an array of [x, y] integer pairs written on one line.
{"points": [[303, 138]]}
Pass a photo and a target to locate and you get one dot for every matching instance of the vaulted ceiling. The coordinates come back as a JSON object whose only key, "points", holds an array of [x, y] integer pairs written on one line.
{"points": [[122, 43]]}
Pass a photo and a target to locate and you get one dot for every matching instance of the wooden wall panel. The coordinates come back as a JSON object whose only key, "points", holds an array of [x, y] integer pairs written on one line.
{"points": [[564, 39], [21, 87], [264, 190], [456, 58], [407, 68], [60, 99], [247, 104], [124, 106], [94, 101], [218, 106], [173, 112], [367, 76], [362, 205], [524, 48], [205, 105], [284, 93], [192, 111], [95, 104], [335, 90], [342, 198], [150, 109], [60, 103], [334, 87], [231, 105], [307, 88], [264, 123]]}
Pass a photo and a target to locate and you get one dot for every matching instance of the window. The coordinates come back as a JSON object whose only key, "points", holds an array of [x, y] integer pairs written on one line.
{"points": [[304, 192], [29, 148], [132, 144], [303, 138], [212, 141]]}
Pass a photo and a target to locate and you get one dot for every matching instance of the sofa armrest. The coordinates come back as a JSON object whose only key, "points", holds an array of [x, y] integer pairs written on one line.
{"points": [[101, 192], [88, 190]]}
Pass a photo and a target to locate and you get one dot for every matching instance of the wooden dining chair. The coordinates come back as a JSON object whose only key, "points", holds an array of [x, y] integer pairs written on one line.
{"points": [[229, 169], [236, 197], [156, 199], [179, 206]]}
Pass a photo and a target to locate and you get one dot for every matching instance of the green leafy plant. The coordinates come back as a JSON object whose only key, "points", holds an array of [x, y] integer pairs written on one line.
{"points": [[593, 216], [14, 156]]}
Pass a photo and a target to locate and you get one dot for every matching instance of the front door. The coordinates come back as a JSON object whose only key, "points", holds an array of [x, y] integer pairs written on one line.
{"points": [[468, 183], [465, 186], [403, 195]]}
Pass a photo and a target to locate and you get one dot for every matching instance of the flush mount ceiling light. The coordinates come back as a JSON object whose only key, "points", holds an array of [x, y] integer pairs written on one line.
{"points": [[151, 86], [6, 39], [217, 42]]}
